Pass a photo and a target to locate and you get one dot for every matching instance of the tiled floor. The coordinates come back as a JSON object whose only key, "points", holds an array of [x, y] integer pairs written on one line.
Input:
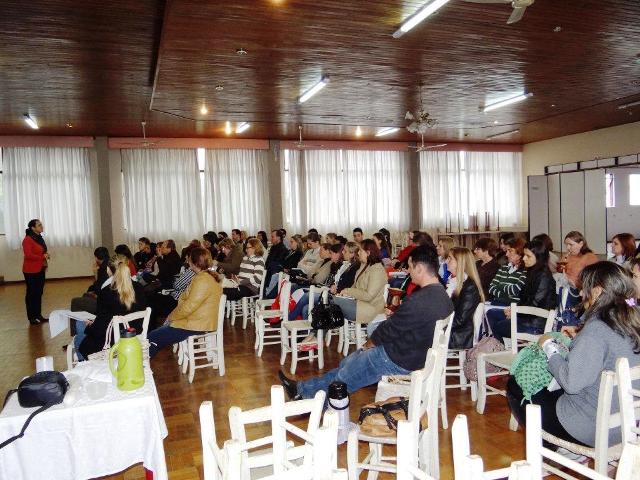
{"points": [[245, 384]]}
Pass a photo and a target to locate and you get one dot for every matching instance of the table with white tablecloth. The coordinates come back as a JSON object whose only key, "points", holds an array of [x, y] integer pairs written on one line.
{"points": [[92, 438]]}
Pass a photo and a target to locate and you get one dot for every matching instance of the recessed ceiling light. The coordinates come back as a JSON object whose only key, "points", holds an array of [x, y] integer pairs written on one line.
{"points": [[69, 125], [553, 105], [386, 131], [30, 121], [557, 29], [490, 137], [204, 110], [358, 131], [495, 122], [219, 88], [508, 101], [427, 9], [241, 127], [241, 51], [227, 127], [313, 90]]}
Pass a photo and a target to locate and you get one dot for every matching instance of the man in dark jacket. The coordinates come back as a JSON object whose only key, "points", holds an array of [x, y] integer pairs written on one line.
{"points": [[168, 263], [399, 345], [277, 254]]}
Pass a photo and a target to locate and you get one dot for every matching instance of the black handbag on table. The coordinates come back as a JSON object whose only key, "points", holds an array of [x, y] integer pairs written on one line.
{"points": [[326, 316]]}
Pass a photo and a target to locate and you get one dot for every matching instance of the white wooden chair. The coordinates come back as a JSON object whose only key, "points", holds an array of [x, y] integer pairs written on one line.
{"points": [[629, 400], [459, 356], [245, 306], [257, 457], [266, 334], [354, 333], [227, 463], [292, 331], [423, 400], [145, 315], [208, 346], [505, 359]]}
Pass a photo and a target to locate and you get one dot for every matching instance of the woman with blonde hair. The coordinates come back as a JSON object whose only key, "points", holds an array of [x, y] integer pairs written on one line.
{"points": [[118, 295], [197, 310], [251, 271], [466, 295], [445, 244]]}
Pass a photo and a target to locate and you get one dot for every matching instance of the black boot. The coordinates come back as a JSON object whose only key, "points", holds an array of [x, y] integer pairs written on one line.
{"points": [[290, 386]]}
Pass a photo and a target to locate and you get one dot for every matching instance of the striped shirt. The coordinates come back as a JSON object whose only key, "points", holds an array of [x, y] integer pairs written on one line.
{"points": [[507, 284], [182, 282], [251, 272]]}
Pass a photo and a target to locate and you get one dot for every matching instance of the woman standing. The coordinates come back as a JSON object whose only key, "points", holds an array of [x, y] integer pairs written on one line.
{"points": [[33, 268]]}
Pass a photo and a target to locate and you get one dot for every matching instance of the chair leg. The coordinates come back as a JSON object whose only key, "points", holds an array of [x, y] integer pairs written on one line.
{"points": [[328, 337], [258, 322], [352, 456], [482, 384], [184, 348], [284, 344], [220, 353], [321, 349], [474, 391], [261, 338], [340, 339], [245, 312], [191, 359], [345, 347], [359, 334], [376, 458], [232, 312], [513, 424], [294, 352], [443, 403], [463, 380]]}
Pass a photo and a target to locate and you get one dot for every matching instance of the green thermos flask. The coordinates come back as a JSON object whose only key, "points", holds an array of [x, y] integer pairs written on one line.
{"points": [[130, 372]]}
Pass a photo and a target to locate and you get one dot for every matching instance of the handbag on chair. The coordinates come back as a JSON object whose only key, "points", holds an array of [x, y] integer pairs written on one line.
{"points": [[326, 316]]}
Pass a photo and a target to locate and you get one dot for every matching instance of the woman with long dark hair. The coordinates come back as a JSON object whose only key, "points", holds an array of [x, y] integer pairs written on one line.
{"points": [[34, 267], [610, 330], [623, 247]]}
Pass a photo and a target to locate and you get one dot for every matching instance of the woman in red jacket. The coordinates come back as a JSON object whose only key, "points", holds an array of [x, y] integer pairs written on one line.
{"points": [[33, 268]]}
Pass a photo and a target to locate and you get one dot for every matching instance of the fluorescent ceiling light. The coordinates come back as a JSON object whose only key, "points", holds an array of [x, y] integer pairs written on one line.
{"points": [[508, 101], [428, 9], [242, 127], [30, 121], [490, 137], [386, 131], [313, 90], [627, 105]]}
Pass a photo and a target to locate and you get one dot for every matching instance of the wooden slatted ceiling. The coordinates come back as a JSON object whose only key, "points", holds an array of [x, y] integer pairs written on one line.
{"points": [[94, 66]]}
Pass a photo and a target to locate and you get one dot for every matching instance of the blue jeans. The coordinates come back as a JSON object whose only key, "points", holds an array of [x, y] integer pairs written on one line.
{"points": [[360, 369], [302, 307], [79, 337], [271, 290], [348, 307], [165, 336]]}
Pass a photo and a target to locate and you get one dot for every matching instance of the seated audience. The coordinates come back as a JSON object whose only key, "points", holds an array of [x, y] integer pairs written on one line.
{"points": [[357, 235], [209, 242], [399, 345], [611, 330], [118, 296], [579, 255], [197, 309], [311, 257], [485, 250], [501, 256], [508, 282], [168, 263], [553, 258], [364, 300], [262, 236], [634, 266], [623, 247], [236, 236], [222, 235], [285, 239], [275, 258], [323, 267], [538, 291], [294, 255], [331, 238], [445, 244], [184, 254], [251, 272], [401, 260], [346, 276], [466, 296], [382, 245], [232, 258], [88, 301], [143, 255], [161, 304], [342, 240], [122, 249]]}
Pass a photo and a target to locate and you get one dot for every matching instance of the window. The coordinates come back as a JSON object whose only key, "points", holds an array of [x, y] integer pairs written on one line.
{"points": [[634, 189], [1, 197], [610, 191]]}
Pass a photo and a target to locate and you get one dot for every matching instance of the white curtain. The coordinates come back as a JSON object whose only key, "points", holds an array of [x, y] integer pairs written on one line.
{"points": [[53, 185], [163, 197], [237, 190], [459, 190], [336, 190]]}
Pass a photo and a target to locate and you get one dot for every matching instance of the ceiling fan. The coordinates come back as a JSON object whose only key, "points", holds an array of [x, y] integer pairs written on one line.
{"points": [[519, 6], [144, 143], [423, 148], [301, 145]]}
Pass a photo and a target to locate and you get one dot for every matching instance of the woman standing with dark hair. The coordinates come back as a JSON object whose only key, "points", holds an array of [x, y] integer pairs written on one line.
{"points": [[33, 268]]}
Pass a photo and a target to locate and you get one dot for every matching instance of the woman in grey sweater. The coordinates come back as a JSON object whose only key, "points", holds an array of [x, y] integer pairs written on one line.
{"points": [[611, 330]]}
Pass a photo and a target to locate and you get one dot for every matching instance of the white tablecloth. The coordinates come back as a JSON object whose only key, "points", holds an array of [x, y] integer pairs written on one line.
{"points": [[90, 439]]}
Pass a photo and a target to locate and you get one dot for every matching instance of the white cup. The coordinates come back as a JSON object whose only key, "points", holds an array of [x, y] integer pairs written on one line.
{"points": [[44, 364], [96, 390]]}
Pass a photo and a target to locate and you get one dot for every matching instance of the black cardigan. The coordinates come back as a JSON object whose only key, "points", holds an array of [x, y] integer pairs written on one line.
{"points": [[539, 289], [465, 305], [348, 277], [292, 259]]}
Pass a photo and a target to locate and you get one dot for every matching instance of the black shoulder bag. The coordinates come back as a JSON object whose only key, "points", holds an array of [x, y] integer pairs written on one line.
{"points": [[326, 316]]}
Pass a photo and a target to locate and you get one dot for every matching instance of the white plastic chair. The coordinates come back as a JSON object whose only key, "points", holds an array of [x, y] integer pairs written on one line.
{"points": [[257, 457], [208, 346], [354, 333], [423, 400], [266, 334], [629, 400], [505, 359], [292, 331], [459, 357], [145, 315]]}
